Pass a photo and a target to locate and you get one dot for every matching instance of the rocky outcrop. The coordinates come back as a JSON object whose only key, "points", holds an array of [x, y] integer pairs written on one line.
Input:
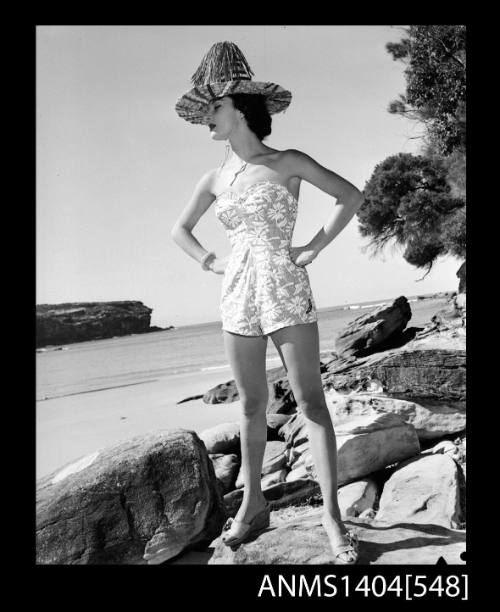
{"points": [[418, 375], [430, 421], [375, 330], [365, 444], [299, 539], [422, 490], [146, 499], [80, 321]]}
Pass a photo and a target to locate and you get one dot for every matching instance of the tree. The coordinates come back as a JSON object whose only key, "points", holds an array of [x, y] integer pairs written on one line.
{"points": [[435, 57], [409, 201], [418, 201]]}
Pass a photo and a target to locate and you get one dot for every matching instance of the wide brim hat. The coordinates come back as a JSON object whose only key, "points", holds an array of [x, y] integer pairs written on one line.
{"points": [[223, 71]]}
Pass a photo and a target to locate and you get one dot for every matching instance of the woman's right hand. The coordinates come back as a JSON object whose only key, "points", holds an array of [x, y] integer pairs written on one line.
{"points": [[219, 265]]}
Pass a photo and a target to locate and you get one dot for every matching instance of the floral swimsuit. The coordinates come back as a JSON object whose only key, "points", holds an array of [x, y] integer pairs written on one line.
{"points": [[262, 289]]}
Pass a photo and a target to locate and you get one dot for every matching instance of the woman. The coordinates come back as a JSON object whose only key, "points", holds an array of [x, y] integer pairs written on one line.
{"points": [[265, 290]]}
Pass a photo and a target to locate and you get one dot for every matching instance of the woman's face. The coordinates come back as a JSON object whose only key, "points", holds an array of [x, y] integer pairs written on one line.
{"points": [[222, 118]]}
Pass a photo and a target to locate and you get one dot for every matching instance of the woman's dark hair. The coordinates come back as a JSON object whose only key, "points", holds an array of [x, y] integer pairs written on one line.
{"points": [[254, 109]]}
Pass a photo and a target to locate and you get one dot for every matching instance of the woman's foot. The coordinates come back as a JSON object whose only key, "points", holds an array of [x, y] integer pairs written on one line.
{"points": [[343, 543], [249, 519]]}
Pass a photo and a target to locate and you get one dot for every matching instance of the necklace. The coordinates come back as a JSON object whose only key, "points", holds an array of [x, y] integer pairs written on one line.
{"points": [[242, 169], [238, 172]]}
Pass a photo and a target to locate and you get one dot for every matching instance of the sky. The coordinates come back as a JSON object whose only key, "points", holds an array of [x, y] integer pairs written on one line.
{"points": [[116, 165]]}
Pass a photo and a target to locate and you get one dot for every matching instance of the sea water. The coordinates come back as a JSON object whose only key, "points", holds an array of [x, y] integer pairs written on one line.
{"points": [[130, 360]]}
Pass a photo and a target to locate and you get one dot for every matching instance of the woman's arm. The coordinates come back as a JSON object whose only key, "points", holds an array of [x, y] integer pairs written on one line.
{"points": [[349, 198], [197, 206]]}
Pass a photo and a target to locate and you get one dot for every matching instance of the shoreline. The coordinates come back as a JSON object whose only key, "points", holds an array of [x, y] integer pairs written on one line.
{"points": [[71, 427]]}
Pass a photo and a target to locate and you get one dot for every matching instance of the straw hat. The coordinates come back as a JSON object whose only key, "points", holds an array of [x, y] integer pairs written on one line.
{"points": [[224, 70]]}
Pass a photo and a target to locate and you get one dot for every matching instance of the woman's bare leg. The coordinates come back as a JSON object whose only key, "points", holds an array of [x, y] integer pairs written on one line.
{"points": [[247, 358], [298, 346]]}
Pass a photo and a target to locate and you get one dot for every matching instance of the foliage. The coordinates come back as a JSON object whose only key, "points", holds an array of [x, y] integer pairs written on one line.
{"points": [[408, 200], [418, 201], [435, 58]]}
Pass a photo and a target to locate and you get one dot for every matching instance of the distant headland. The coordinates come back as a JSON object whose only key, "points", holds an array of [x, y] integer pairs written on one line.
{"points": [[80, 321]]}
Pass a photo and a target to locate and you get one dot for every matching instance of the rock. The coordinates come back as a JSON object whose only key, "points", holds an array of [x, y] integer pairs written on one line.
{"points": [[294, 432], [370, 443], [79, 321], [447, 328], [274, 478], [296, 454], [372, 331], [368, 514], [434, 420], [365, 444], [154, 495], [226, 470], [275, 458], [445, 447], [274, 424], [223, 438], [422, 490], [300, 472], [461, 276], [281, 398], [302, 541], [224, 393], [418, 375], [279, 496], [357, 497]]}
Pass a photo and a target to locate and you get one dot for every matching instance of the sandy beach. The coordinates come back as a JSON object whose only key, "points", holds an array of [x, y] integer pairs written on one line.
{"points": [[73, 426]]}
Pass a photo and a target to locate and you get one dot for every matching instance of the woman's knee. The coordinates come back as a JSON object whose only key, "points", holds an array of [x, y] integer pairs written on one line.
{"points": [[313, 407], [253, 405]]}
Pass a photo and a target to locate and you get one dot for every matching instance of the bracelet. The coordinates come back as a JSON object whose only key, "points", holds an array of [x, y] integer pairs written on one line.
{"points": [[205, 258]]}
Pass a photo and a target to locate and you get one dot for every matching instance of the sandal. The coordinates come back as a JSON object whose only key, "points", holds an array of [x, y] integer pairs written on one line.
{"points": [[352, 546], [242, 531]]}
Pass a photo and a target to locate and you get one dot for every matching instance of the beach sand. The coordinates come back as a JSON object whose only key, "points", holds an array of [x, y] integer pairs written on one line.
{"points": [[71, 427]]}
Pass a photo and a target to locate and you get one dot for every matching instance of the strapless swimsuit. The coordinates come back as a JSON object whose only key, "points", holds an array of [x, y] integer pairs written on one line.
{"points": [[262, 289]]}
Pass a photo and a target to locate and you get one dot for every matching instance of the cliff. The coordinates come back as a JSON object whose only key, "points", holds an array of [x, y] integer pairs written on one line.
{"points": [[79, 321]]}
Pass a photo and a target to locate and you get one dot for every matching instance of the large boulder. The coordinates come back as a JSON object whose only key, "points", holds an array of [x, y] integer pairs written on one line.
{"points": [[422, 490], [434, 420], [300, 539], [148, 498], [417, 375], [369, 443], [79, 321], [374, 330], [365, 444]]}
